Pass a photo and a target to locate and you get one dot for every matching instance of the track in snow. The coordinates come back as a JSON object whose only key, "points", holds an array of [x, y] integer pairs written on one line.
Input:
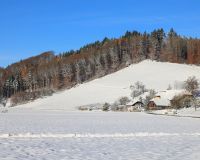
{"points": [[117, 135]]}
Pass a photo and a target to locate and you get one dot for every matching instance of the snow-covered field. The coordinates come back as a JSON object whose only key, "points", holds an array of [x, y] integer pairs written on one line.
{"points": [[155, 75], [51, 128], [184, 112], [50, 135]]}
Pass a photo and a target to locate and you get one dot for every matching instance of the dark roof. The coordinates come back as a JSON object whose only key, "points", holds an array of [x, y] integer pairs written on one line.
{"points": [[137, 103]]}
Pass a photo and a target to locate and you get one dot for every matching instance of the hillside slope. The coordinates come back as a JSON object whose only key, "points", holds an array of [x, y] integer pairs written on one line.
{"points": [[48, 71], [155, 75]]}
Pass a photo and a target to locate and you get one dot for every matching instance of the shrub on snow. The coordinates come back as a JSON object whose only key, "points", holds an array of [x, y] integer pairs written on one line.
{"points": [[106, 107]]}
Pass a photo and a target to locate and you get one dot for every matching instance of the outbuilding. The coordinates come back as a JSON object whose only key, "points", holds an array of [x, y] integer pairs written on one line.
{"points": [[135, 106]]}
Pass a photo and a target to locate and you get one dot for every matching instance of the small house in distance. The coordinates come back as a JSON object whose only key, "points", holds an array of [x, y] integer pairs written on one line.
{"points": [[135, 106]]}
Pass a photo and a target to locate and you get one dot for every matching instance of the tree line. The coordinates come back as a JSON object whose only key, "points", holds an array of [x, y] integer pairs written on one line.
{"points": [[55, 72]]}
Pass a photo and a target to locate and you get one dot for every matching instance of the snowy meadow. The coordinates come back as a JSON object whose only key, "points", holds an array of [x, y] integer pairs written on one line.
{"points": [[26, 134]]}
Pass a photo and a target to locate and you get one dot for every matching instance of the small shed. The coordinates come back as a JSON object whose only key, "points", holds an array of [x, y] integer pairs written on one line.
{"points": [[135, 106]]}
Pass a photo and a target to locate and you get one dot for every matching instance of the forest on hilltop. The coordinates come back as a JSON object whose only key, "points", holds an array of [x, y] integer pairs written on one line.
{"points": [[43, 74]]}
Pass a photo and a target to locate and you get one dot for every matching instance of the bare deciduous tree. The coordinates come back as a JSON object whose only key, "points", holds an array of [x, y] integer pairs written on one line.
{"points": [[191, 84], [137, 89], [124, 100]]}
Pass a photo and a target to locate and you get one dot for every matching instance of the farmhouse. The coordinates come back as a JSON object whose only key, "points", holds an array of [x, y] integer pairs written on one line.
{"points": [[163, 99], [158, 103]]}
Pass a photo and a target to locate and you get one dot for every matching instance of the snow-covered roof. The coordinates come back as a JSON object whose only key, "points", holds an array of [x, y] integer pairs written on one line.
{"points": [[133, 102], [163, 98], [169, 94], [161, 101]]}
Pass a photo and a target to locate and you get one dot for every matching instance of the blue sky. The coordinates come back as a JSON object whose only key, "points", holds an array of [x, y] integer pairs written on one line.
{"points": [[30, 27]]}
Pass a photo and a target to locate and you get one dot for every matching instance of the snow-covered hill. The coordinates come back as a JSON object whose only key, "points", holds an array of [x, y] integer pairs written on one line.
{"points": [[155, 75]]}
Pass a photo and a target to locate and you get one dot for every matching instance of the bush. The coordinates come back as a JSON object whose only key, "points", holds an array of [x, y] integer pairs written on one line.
{"points": [[83, 108], [181, 101], [114, 106], [106, 107], [124, 100]]}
